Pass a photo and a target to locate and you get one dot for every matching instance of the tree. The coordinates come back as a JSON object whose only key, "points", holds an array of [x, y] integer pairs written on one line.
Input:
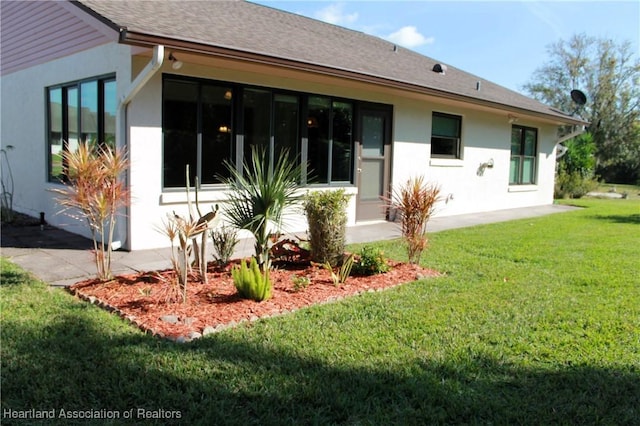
{"points": [[610, 77]]}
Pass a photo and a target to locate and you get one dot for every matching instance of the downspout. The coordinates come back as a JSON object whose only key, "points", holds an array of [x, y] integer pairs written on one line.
{"points": [[561, 149], [136, 85]]}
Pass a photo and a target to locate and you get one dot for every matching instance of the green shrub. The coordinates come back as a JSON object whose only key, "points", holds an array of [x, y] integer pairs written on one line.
{"points": [[225, 240], [326, 213], [300, 282], [371, 261], [572, 184], [251, 282], [575, 176]]}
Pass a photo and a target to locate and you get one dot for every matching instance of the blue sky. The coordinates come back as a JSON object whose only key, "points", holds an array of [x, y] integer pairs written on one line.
{"points": [[501, 41]]}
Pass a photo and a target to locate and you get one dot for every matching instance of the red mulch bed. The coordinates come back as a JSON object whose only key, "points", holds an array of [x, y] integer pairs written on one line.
{"points": [[144, 298]]}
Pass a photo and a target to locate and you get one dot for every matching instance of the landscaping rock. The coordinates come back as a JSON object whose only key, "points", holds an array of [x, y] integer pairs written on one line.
{"points": [[171, 319], [208, 330], [189, 321]]}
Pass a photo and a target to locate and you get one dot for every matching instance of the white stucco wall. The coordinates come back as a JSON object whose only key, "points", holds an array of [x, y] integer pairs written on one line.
{"points": [[23, 124], [485, 136]]}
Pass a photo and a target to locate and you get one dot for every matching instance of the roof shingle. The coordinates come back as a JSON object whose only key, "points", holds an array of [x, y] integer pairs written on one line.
{"points": [[252, 28]]}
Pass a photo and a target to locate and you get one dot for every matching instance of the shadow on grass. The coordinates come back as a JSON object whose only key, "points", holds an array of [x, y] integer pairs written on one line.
{"points": [[76, 363], [13, 276], [625, 219]]}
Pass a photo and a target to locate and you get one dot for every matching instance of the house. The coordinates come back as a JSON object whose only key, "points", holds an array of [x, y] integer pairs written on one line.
{"points": [[200, 82]]}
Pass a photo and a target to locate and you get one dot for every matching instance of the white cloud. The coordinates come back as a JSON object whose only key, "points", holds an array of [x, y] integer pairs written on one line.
{"points": [[409, 37], [334, 14]]}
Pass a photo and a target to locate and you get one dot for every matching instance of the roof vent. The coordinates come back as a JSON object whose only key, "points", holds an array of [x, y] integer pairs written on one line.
{"points": [[439, 68], [478, 85], [395, 47]]}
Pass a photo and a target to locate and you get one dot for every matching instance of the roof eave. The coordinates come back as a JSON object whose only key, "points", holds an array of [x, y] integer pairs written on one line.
{"points": [[149, 40]]}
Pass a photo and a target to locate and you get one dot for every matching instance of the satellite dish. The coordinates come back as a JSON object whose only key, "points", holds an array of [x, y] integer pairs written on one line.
{"points": [[578, 97]]}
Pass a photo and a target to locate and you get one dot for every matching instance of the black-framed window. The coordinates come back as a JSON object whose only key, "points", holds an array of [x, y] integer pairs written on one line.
{"points": [[524, 148], [445, 135], [197, 125], [80, 111], [205, 122], [330, 140]]}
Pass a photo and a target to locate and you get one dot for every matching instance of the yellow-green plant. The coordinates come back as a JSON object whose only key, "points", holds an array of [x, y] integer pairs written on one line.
{"points": [[343, 271], [250, 281], [415, 201], [95, 191], [345, 268], [300, 282]]}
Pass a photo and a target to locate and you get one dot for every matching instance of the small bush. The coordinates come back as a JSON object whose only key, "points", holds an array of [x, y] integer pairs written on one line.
{"points": [[575, 176], [300, 282], [572, 184], [370, 261], [326, 213], [251, 282], [225, 240]]}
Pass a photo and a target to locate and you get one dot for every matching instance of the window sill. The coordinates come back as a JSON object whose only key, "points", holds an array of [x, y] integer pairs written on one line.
{"points": [[523, 188], [219, 195], [446, 162], [204, 196]]}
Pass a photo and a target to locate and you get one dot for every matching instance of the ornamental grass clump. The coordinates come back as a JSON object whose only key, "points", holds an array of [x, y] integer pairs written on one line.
{"points": [[326, 213], [95, 191], [415, 201], [251, 282]]}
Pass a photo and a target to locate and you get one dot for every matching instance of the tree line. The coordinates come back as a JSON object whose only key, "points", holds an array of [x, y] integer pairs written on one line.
{"points": [[609, 75]]}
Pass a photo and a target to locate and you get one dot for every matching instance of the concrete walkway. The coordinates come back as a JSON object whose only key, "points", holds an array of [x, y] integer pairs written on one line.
{"points": [[61, 258]]}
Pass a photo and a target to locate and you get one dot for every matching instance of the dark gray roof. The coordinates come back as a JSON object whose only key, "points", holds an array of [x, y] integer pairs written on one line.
{"points": [[246, 27]]}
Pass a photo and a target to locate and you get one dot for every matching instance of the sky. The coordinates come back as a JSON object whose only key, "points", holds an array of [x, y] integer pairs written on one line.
{"points": [[500, 41]]}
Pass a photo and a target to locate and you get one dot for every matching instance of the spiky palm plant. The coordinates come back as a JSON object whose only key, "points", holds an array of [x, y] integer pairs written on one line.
{"points": [[260, 196], [95, 191]]}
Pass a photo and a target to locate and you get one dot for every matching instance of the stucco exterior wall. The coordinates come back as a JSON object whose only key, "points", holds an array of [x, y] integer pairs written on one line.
{"points": [[485, 135], [465, 187], [23, 103]]}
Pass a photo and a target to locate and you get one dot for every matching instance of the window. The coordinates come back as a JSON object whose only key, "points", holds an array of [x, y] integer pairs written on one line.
{"points": [[204, 122], [330, 141], [523, 155], [197, 127], [77, 112], [445, 135]]}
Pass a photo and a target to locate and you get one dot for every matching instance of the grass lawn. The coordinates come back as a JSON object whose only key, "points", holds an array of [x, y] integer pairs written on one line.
{"points": [[537, 322]]}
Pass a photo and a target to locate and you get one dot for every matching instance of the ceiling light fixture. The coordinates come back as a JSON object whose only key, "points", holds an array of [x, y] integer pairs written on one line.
{"points": [[176, 64]]}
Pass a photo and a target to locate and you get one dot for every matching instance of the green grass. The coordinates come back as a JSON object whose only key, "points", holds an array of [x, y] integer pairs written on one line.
{"points": [[536, 322]]}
